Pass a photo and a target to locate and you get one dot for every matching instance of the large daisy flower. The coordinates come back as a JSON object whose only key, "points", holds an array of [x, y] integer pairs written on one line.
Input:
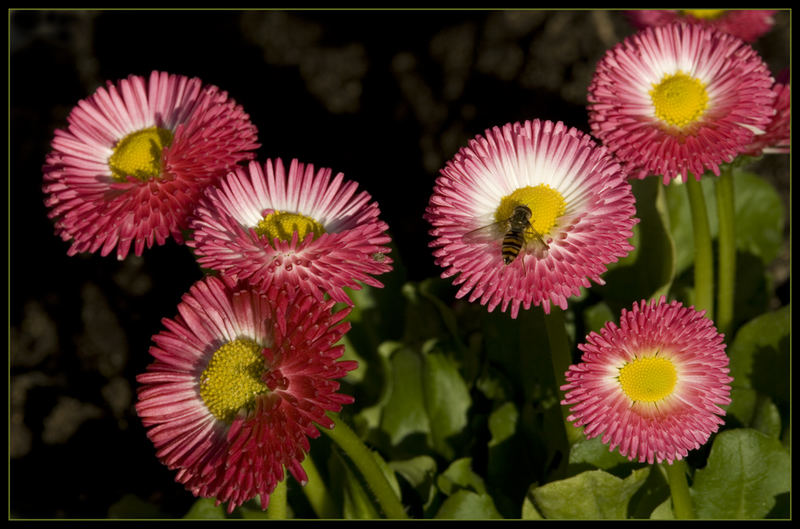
{"points": [[135, 158], [528, 214], [240, 379], [302, 228], [653, 385], [680, 98], [748, 25]]}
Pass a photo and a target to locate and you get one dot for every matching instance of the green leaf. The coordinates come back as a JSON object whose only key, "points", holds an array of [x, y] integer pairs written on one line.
{"points": [[404, 412], [760, 356], [759, 216], [419, 472], [663, 511], [594, 452], [447, 400], [590, 495], [745, 471], [459, 475], [529, 511], [468, 505], [503, 423]]}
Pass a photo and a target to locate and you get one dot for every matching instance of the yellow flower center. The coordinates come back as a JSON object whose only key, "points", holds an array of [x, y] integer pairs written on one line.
{"points": [[233, 379], [139, 154], [648, 379], [546, 205], [679, 99], [283, 224], [706, 14]]}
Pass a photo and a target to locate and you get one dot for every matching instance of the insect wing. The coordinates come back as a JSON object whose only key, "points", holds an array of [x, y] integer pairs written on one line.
{"points": [[536, 242], [493, 232]]}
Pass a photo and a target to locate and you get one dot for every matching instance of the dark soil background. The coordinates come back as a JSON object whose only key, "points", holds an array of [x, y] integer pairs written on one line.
{"points": [[387, 97]]}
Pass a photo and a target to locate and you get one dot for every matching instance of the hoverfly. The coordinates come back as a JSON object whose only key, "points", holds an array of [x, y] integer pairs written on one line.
{"points": [[516, 232]]}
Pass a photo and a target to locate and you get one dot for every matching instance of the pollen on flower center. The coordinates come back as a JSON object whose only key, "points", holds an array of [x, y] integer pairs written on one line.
{"points": [[679, 99], [233, 379], [283, 224], [648, 379], [705, 14], [545, 203], [139, 154]]}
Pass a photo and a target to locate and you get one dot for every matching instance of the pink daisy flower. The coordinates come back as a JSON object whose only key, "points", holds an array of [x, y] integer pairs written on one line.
{"points": [[528, 214], [239, 380], [776, 137], [303, 228], [680, 98], [653, 385], [747, 25], [135, 158]]}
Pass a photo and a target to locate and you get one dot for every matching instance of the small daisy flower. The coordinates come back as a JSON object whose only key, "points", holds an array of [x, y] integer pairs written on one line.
{"points": [[303, 228], [528, 214], [653, 385], [239, 380], [677, 99], [776, 137], [135, 158], [747, 25]]}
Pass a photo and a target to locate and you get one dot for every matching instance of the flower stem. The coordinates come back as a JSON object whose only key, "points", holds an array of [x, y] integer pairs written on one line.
{"points": [[679, 490], [561, 358], [362, 458], [727, 250], [277, 509], [703, 258], [317, 493]]}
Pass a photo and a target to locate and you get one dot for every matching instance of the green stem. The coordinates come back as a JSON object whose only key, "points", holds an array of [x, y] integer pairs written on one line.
{"points": [[727, 251], [679, 490], [362, 458], [277, 508], [561, 358], [703, 257], [317, 493]]}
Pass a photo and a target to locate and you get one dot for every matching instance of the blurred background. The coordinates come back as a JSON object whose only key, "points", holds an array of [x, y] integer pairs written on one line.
{"points": [[386, 97]]}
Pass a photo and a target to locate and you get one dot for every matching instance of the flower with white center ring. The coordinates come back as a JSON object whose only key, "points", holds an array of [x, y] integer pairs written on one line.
{"points": [[679, 99], [136, 156], [302, 227], [653, 385], [581, 215]]}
